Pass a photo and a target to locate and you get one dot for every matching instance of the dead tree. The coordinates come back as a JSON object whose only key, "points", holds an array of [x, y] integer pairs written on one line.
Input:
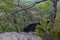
{"points": [[53, 14], [54, 9]]}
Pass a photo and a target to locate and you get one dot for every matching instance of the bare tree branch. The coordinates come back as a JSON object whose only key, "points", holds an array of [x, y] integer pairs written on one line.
{"points": [[12, 4], [29, 6], [21, 8]]}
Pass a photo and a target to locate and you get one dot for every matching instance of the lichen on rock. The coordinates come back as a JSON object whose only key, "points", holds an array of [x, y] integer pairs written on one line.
{"points": [[18, 36]]}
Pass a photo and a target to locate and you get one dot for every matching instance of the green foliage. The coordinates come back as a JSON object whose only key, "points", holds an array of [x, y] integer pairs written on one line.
{"points": [[9, 21], [15, 21], [7, 7], [44, 29], [46, 7], [55, 34], [57, 21], [2, 5]]}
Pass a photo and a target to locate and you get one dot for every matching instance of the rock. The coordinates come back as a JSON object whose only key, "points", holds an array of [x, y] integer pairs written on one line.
{"points": [[18, 36]]}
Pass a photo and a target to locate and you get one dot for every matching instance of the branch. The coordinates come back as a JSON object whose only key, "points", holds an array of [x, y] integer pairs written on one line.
{"points": [[12, 4], [22, 7], [29, 6]]}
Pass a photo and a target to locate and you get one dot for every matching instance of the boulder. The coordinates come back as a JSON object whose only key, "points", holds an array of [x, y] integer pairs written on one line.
{"points": [[18, 36]]}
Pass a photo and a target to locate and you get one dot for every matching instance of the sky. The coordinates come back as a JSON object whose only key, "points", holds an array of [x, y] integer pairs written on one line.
{"points": [[29, 0], [32, 0]]}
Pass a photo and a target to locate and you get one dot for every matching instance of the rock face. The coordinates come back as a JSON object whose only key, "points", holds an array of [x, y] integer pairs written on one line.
{"points": [[18, 36]]}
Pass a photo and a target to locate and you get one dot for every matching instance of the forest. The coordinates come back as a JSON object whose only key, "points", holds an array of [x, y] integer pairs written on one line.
{"points": [[37, 17]]}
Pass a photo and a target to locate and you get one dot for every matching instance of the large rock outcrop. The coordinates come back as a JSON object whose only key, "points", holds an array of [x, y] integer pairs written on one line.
{"points": [[18, 36]]}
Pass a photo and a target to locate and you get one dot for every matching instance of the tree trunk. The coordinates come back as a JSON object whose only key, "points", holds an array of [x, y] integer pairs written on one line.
{"points": [[53, 14]]}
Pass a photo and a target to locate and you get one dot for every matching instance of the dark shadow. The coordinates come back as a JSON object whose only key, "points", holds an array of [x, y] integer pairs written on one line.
{"points": [[31, 27]]}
